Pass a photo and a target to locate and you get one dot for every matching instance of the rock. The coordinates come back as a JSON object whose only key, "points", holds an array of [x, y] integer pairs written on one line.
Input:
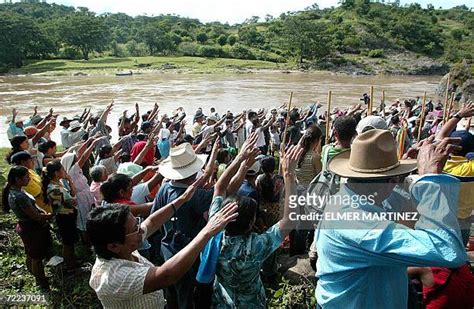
{"points": [[168, 66], [296, 268], [460, 82]]}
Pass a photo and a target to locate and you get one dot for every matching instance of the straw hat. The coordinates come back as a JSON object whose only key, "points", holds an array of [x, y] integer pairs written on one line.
{"points": [[74, 125], [182, 162], [373, 155]]}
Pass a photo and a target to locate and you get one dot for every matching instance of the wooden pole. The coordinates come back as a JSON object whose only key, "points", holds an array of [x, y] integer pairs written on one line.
{"points": [[283, 141], [451, 103], [446, 101], [287, 121], [371, 103], [328, 120], [383, 103], [422, 119]]}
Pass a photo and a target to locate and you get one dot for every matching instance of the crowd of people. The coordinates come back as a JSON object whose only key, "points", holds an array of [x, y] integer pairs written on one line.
{"points": [[197, 217]]}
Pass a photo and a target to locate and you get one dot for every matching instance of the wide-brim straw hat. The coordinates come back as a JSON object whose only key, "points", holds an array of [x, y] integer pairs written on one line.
{"points": [[373, 155], [182, 162]]}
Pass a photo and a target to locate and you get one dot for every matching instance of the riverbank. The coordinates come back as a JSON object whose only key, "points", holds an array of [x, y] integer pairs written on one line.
{"points": [[404, 63]]}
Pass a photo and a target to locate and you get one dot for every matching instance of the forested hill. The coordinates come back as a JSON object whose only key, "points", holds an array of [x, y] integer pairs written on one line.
{"points": [[319, 38]]}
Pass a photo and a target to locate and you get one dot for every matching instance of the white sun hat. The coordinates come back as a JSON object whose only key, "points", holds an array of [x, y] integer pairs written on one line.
{"points": [[182, 162]]}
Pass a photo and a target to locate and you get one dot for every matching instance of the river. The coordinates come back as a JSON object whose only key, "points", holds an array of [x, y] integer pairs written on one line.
{"points": [[68, 95]]}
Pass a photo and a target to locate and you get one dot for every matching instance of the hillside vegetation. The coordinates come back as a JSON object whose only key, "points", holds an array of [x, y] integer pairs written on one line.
{"points": [[358, 34]]}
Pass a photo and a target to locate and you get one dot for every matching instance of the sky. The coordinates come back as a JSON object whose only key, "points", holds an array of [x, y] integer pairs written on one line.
{"points": [[231, 11]]}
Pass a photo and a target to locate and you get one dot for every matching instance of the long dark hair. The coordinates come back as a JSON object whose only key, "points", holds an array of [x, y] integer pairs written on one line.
{"points": [[48, 174], [15, 172], [312, 135], [15, 142]]}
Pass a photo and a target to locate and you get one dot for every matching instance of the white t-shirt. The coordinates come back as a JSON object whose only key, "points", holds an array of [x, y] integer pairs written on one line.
{"points": [[139, 193], [261, 137], [275, 138], [119, 283]]}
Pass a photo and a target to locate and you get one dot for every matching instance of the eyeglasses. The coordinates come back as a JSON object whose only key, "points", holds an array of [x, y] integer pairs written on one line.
{"points": [[139, 221]]}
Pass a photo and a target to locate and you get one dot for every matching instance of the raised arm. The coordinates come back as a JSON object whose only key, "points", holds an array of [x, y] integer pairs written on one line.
{"points": [[149, 144], [105, 113], [87, 153], [173, 269], [136, 119], [42, 132], [224, 184], [450, 126], [289, 163]]}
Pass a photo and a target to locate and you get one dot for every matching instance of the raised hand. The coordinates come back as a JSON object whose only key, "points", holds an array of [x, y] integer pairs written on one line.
{"points": [[249, 144], [467, 110], [433, 154], [188, 194], [290, 160], [219, 221]]}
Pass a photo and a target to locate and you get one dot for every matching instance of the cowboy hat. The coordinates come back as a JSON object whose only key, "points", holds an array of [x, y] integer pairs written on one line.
{"points": [[373, 155], [182, 163], [65, 119], [74, 125]]}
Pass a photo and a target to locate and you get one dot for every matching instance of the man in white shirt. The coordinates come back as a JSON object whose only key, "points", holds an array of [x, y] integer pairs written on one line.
{"points": [[121, 277]]}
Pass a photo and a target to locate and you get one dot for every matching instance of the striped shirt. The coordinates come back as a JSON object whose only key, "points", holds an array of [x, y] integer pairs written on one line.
{"points": [[119, 283]]}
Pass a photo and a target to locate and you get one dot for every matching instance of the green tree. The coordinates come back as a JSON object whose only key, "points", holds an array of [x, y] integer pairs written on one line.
{"points": [[21, 38], [202, 37], [306, 39], [457, 34], [222, 40], [231, 40], [85, 32]]}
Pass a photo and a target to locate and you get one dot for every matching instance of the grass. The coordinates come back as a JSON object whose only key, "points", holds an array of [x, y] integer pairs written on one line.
{"points": [[113, 64], [67, 292]]}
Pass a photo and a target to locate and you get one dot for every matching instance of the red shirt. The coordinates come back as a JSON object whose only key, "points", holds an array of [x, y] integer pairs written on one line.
{"points": [[453, 288], [124, 202], [149, 156]]}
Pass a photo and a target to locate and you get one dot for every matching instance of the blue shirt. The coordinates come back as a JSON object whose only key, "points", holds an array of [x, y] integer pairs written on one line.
{"points": [[364, 265], [189, 218], [237, 283], [246, 189]]}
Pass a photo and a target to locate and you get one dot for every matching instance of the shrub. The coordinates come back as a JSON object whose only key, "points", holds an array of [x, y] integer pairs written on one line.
{"points": [[376, 53], [188, 49], [222, 40], [241, 52], [70, 53], [231, 40], [211, 51], [135, 49]]}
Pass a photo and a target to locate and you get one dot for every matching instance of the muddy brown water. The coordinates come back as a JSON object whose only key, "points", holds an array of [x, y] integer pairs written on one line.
{"points": [[68, 95]]}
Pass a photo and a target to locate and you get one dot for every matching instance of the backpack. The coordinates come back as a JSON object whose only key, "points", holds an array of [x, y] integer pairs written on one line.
{"points": [[323, 185]]}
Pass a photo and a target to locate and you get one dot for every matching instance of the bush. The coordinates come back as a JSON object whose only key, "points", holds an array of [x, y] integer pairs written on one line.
{"points": [[70, 53], [188, 49], [376, 53], [211, 51], [119, 50], [457, 34], [135, 49], [241, 52], [222, 40], [202, 37], [231, 40]]}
